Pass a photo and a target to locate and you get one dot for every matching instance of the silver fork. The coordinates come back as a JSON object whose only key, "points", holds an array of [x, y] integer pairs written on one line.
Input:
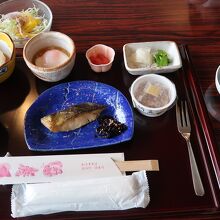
{"points": [[184, 127]]}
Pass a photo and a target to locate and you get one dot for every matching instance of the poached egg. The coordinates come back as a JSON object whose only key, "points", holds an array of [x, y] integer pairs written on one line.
{"points": [[51, 58]]}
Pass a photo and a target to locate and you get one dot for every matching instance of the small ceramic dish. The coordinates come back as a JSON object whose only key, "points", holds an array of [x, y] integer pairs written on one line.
{"points": [[217, 79], [153, 89], [13, 10], [55, 40], [100, 57], [8, 52], [134, 51]]}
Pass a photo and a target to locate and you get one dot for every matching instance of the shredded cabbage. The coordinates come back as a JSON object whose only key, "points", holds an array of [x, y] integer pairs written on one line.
{"points": [[24, 24]]}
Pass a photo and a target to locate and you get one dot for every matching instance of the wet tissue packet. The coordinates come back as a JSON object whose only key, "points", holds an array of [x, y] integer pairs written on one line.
{"points": [[107, 193]]}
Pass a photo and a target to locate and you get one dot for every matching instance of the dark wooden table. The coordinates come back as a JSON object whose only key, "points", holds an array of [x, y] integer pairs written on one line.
{"points": [[195, 27]]}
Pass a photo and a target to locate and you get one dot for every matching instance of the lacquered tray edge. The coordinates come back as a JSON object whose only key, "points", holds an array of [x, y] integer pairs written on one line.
{"points": [[195, 97]]}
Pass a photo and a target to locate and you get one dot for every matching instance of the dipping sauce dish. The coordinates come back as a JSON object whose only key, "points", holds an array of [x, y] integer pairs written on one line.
{"points": [[100, 57], [39, 45], [152, 95]]}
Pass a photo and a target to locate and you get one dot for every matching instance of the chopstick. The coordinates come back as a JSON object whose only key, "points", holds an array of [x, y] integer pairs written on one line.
{"points": [[138, 165]]}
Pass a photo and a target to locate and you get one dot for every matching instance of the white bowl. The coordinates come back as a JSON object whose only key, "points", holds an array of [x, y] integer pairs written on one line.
{"points": [[103, 50], [217, 79], [17, 6], [45, 40], [169, 46], [151, 111]]}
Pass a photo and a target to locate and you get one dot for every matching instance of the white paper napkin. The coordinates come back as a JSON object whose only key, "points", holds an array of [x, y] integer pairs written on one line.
{"points": [[109, 193]]}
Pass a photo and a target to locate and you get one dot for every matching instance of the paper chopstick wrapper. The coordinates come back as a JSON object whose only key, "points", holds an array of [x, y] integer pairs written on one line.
{"points": [[40, 169], [108, 193]]}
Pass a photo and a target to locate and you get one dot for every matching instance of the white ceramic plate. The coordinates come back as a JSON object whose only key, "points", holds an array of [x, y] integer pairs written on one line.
{"points": [[169, 46]]}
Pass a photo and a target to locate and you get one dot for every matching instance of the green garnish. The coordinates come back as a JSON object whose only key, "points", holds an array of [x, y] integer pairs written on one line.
{"points": [[161, 58]]}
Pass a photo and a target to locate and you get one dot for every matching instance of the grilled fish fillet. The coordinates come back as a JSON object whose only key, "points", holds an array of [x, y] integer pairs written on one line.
{"points": [[72, 118]]}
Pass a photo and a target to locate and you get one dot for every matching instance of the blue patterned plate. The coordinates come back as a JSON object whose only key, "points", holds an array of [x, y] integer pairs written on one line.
{"points": [[39, 138]]}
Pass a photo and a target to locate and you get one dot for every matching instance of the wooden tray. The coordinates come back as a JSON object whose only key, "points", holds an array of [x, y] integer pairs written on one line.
{"points": [[171, 188]]}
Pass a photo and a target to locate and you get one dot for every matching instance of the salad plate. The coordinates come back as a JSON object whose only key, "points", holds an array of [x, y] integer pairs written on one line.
{"points": [[39, 138]]}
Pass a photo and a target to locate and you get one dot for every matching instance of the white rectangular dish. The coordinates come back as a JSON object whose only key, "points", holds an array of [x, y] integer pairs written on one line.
{"points": [[169, 47]]}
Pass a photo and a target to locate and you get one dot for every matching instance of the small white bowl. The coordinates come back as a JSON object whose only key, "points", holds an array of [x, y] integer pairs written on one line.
{"points": [[150, 111], [169, 46], [103, 50], [45, 40], [217, 79]]}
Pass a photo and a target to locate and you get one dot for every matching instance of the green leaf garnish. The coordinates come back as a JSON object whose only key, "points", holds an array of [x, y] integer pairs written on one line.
{"points": [[161, 58]]}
